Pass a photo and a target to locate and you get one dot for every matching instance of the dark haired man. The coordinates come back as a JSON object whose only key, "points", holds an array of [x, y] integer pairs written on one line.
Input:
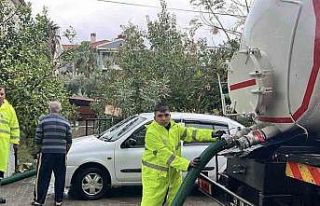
{"points": [[162, 162]]}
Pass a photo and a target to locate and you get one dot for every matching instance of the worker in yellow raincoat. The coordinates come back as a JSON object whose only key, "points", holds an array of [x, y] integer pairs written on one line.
{"points": [[162, 162], [9, 133]]}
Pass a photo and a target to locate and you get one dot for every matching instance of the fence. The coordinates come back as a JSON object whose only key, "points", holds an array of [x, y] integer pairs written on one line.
{"points": [[92, 126]]}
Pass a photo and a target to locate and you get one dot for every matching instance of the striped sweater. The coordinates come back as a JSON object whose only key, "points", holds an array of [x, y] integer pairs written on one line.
{"points": [[53, 134]]}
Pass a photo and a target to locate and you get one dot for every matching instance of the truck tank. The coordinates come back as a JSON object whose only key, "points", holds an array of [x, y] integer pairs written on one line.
{"points": [[273, 77], [275, 74]]}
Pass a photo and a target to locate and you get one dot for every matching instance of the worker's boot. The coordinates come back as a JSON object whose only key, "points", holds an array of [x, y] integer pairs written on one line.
{"points": [[2, 200]]}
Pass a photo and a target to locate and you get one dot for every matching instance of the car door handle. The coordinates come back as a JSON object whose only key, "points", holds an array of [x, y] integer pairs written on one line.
{"points": [[131, 171]]}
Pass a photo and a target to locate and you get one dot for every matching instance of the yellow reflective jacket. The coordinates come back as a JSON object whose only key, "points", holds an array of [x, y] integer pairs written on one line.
{"points": [[9, 132], [163, 147]]}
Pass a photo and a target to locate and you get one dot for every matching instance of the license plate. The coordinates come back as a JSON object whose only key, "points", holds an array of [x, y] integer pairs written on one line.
{"points": [[205, 186]]}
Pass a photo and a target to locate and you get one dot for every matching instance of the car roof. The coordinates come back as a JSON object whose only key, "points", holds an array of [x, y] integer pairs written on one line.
{"points": [[196, 116]]}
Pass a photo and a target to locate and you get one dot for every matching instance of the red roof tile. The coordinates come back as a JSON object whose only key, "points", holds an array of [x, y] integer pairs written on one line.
{"points": [[69, 46], [97, 43]]}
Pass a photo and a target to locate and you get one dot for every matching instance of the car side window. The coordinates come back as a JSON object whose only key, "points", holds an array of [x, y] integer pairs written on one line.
{"points": [[204, 125], [140, 134]]}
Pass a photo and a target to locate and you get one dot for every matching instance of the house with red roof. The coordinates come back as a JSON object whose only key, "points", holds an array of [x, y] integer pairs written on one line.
{"points": [[105, 49]]}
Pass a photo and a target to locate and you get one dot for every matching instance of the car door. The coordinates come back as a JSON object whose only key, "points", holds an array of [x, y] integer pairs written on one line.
{"points": [[194, 149], [128, 157]]}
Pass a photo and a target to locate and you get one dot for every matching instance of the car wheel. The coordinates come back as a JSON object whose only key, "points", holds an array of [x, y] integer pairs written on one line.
{"points": [[90, 184]]}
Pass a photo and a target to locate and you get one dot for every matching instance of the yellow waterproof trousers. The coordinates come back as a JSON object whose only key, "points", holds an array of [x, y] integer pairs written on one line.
{"points": [[159, 188]]}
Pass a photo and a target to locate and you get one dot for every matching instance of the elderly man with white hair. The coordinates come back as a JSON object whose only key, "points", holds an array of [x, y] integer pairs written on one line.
{"points": [[53, 135]]}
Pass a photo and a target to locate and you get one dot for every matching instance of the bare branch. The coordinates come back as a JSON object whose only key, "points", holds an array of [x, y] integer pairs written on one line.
{"points": [[169, 8], [230, 31], [238, 3], [218, 20], [239, 6], [247, 6], [206, 21], [10, 17]]}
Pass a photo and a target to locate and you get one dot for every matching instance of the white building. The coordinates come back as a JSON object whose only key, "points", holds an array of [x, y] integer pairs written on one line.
{"points": [[106, 54]]}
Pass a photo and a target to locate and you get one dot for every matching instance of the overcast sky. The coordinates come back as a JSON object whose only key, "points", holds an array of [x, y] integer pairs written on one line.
{"points": [[104, 19]]}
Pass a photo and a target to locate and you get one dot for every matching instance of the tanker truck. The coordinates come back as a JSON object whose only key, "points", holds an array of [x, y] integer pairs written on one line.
{"points": [[274, 78]]}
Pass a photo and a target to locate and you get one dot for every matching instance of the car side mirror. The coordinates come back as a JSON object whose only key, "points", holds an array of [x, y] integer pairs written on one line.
{"points": [[131, 142]]}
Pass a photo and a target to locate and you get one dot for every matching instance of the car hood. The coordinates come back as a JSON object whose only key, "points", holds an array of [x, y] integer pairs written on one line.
{"points": [[85, 139], [88, 144]]}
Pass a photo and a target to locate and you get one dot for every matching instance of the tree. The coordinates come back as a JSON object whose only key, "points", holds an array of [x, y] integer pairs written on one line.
{"points": [[70, 33], [85, 59], [227, 18], [217, 15], [78, 69], [178, 56], [160, 64], [26, 66], [52, 34], [134, 88], [82, 60]]}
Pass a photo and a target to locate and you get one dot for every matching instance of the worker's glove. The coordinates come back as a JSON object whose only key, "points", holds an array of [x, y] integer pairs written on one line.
{"points": [[194, 163], [218, 134]]}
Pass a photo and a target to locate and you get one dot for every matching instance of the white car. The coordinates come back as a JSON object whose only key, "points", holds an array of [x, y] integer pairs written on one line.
{"points": [[99, 162]]}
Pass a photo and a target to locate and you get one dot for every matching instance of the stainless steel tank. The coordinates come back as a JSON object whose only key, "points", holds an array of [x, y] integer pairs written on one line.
{"points": [[275, 75]]}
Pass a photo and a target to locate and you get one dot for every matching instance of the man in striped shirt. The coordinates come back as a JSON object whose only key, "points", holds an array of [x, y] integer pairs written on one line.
{"points": [[53, 135]]}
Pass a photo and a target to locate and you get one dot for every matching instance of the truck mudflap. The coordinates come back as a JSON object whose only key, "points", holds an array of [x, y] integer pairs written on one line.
{"points": [[303, 172], [210, 188]]}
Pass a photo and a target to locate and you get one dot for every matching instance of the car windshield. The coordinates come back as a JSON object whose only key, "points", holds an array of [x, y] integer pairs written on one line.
{"points": [[114, 133]]}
